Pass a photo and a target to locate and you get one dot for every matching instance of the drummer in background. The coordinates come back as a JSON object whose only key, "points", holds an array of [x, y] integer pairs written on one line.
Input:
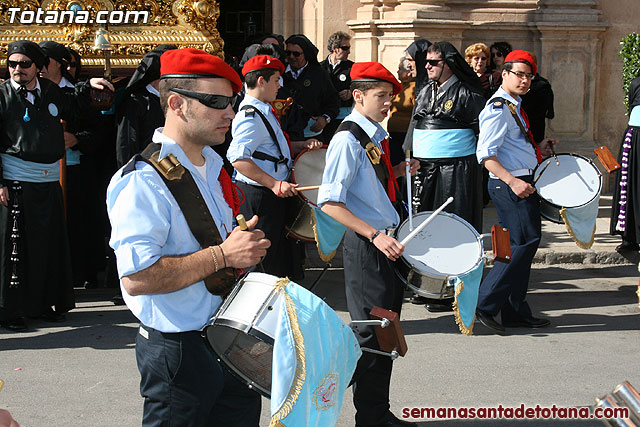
{"points": [[510, 160], [352, 194], [161, 264], [261, 154]]}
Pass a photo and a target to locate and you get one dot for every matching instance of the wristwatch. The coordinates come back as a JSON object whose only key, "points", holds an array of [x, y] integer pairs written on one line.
{"points": [[327, 118], [372, 238]]}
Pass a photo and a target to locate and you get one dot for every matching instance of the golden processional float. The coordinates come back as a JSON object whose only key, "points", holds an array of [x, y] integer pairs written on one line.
{"points": [[112, 35]]}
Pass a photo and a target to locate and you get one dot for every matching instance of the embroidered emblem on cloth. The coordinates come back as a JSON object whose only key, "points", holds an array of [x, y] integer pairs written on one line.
{"points": [[324, 396]]}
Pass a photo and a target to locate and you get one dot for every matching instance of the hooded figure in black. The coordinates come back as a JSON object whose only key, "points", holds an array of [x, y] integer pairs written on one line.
{"points": [[625, 212], [35, 268], [418, 52], [443, 136], [310, 86], [139, 113]]}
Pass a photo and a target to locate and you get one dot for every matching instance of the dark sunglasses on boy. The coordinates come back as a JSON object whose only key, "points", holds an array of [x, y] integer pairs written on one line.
{"points": [[218, 102]]}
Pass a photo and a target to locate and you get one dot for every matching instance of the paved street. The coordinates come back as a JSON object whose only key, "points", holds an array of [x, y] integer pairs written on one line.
{"points": [[83, 372]]}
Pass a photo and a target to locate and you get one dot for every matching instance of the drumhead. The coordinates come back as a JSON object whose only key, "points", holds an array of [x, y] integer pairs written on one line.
{"points": [[574, 183], [447, 246], [307, 170]]}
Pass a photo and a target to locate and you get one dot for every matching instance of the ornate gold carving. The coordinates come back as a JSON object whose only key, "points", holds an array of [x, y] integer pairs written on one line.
{"points": [[180, 22]]}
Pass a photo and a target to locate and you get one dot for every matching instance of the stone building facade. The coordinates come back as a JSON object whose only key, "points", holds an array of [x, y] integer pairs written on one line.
{"points": [[576, 42]]}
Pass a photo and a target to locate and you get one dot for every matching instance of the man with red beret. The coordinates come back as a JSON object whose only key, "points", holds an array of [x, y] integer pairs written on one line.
{"points": [[357, 190], [262, 156], [172, 274], [509, 153]]}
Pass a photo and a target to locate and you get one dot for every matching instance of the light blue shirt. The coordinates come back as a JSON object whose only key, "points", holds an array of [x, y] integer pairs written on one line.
{"points": [[500, 136], [147, 224], [349, 177], [251, 135], [634, 116]]}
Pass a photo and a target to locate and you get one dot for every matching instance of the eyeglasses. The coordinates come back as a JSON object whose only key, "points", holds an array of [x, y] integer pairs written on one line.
{"points": [[23, 64], [218, 102], [434, 62], [522, 75], [291, 52], [345, 48], [497, 54]]}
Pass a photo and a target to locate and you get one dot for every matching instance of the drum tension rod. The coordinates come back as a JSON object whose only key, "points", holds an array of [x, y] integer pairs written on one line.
{"points": [[393, 355], [383, 323]]}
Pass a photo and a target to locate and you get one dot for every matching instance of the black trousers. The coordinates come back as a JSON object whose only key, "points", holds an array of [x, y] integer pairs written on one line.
{"points": [[184, 385], [504, 289], [284, 257], [370, 281]]}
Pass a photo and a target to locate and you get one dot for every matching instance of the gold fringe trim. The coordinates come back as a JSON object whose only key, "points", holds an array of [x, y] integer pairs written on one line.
{"points": [[323, 257], [301, 364], [581, 244], [467, 330]]}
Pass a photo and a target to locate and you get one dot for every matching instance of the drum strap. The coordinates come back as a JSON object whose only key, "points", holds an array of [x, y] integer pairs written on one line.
{"points": [[250, 111], [527, 133], [184, 189], [382, 169]]}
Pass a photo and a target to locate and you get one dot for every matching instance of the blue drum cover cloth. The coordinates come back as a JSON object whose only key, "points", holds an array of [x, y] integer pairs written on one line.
{"points": [[328, 233], [466, 299], [314, 357], [581, 222]]}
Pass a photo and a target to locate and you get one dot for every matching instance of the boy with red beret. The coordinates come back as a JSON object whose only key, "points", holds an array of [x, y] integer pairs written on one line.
{"points": [[262, 156], [352, 194]]}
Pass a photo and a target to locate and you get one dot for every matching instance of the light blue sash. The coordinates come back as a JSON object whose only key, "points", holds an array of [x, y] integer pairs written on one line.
{"points": [[466, 299], [344, 112], [634, 117], [443, 143], [16, 169], [73, 157], [314, 357]]}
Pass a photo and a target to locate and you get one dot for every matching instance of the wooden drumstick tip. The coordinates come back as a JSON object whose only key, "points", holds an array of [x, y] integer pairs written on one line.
{"points": [[241, 222]]}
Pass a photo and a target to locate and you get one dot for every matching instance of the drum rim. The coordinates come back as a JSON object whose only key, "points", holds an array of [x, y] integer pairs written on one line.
{"points": [[293, 171], [600, 180], [463, 221]]}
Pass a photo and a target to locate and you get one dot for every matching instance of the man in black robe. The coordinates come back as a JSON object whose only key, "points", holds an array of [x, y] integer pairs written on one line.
{"points": [[443, 136], [310, 86], [139, 114], [35, 271]]}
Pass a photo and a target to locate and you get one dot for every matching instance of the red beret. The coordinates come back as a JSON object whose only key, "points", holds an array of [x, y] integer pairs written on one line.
{"points": [[196, 63], [374, 72], [522, 56], [262, 62]]}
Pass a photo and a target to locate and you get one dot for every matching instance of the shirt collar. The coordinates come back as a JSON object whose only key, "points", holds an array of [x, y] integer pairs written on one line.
{"points": [[501, 93], [451, 80], [374, 131], [64, 82], [255, 102], [169, 146], [16, 86], [296, 74], [152, 90], [331, 63]]}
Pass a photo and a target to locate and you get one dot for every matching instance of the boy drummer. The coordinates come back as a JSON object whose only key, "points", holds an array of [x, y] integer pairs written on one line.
{"points": [[352, 194]]}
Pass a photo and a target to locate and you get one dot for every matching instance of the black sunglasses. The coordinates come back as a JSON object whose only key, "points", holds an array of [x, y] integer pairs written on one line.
{"points": [[345, 47], [23, 64], [290, 52], [497, 54], [219, 102], [433, 62]]}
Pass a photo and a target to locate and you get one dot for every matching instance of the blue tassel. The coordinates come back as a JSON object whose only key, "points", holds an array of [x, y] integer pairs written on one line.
{"points": [[26, 117]]}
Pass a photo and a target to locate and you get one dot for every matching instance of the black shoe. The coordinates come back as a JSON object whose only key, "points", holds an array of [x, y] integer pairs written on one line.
{"points": [[487, 320], [627, 246], [52, 317], [531, 322], [418, 300], [117, 300], [17, 324], [390, 421], [434, 307]]}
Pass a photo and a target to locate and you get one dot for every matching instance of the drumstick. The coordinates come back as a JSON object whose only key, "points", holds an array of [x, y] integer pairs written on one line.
{"points": [[308, 188], [425, 222], [541, 172], [408, 177], [553, 151], [243, 226]]}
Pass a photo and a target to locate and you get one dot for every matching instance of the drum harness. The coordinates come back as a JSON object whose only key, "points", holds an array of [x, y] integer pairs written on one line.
{"points": [[250, 111], [184, 189], [498, 102]]}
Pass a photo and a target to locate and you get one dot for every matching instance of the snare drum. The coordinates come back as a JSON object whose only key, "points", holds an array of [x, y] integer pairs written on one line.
{"points": [[448, 247], [307, 170], [576, 182]]}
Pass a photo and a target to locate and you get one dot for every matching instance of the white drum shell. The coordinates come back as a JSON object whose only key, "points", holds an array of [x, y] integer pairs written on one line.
{"points": [[307, 171]]}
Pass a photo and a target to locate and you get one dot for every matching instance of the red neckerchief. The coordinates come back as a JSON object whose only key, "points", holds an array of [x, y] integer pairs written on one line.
{"points": [[229, 191], [286, 136], [392, 184], [535, 145]]}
